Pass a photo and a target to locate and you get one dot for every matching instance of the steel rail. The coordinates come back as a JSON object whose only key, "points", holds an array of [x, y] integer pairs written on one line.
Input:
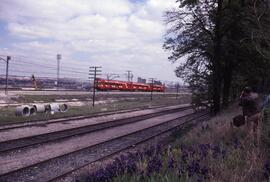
{"points": [[21, 143], [127, 147], [38, 165]]}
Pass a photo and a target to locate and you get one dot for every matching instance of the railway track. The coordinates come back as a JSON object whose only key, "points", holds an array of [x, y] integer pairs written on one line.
{"points": [[20, 143], [55, 166]]}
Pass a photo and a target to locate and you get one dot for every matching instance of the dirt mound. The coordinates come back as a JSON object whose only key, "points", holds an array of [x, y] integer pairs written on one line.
{"points": [[6, 98]]}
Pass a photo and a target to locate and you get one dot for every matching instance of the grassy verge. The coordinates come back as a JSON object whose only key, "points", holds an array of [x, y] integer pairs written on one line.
{"points": [[103, 96], [210, 151], [7, 114]]}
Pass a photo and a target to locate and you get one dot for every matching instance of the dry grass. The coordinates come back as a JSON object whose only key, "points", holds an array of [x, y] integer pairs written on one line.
{"points": [[244, 162], [210, 151]]}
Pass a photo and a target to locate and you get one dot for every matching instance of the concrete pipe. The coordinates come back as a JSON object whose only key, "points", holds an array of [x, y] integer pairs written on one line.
{"points": [[32, 110], [63, 107], [23, 110], [40, 108], [55, 107], [47, 108]]}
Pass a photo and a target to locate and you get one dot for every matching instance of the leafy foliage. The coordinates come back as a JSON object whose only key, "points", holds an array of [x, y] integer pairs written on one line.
{"points": [[221, 41]]}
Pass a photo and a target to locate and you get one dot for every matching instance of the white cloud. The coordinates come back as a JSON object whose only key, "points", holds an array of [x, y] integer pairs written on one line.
{"points": [[116, 34]]}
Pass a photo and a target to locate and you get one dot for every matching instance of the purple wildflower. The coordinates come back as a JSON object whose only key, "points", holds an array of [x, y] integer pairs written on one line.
{"points": [[154, 165], [184, 157], [193, 168], [205, 172], [100, 175], [204, 148], [223, 152], [192, 151], [150, 152], [171, 163], [267, 168], [216, 150], [131, 166], [236, 143], [181, 169]]}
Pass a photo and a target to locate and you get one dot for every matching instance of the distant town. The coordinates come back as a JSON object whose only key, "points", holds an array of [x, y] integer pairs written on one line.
{"points": [[43, 83]]}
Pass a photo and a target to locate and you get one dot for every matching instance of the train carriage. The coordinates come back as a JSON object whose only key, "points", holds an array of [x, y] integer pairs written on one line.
{"points": [[107, 85]]}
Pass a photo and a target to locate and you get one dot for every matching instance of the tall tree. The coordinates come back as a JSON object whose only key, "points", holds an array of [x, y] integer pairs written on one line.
{"points": [[220, 40], [195, 33]]}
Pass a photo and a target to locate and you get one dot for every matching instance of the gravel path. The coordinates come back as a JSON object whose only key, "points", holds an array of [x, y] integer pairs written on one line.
{"points": [[17, 133], [15, 160]]}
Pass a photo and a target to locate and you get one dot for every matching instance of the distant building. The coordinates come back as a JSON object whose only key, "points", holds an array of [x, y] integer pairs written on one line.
{"points": [[141, 80], [157, 83], [18, 82]]}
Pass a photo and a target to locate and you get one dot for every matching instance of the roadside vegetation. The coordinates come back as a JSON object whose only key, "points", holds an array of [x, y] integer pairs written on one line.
{"points": [[7, 114], [210, 151]]}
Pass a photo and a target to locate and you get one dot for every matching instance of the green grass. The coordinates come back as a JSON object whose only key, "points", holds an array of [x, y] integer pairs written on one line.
{"points": [[7, 114], [104, 96]]}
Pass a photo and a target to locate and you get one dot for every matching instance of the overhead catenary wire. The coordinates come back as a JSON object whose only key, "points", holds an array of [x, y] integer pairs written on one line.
{"points": [[40, 62], [49, 65]]}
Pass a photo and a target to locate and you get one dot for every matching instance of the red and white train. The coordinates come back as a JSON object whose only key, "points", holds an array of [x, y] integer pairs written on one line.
{"points": [[107, 85]]}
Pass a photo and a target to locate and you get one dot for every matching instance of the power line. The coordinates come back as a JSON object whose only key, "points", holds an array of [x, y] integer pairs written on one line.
{"points": [[39, 64], [70, 69], [42, 60], [53, 68]]}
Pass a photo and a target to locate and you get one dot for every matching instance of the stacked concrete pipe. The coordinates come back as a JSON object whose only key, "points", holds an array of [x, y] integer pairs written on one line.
{"points": [[23, 110], [26, 110], [32, 110], [40, 108], [56, 107], [63, 107]]}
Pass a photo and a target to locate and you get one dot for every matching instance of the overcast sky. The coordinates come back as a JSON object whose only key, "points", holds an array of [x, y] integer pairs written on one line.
{"points": [[118, 35]]}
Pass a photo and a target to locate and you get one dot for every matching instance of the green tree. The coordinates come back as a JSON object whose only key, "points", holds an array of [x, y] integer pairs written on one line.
{"points": [[222, 41], [195, 33]]}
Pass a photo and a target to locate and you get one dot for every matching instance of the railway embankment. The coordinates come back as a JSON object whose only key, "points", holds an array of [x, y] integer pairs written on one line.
{"points": [[211, 150], [52, 151], [80, 105]]}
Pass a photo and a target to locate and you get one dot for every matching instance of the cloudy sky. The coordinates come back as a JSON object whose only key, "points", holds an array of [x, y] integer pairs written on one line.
{"points": [[118, 35]]}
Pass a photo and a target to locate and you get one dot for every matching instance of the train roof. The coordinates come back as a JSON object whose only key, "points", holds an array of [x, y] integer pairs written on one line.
{"points": [[124, 82]]}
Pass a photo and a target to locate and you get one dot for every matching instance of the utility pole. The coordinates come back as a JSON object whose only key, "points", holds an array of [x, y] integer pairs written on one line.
{"points": [[151, 86], [93, 73], [7, 64], [129, 75], [58, 57], [177, 90]]}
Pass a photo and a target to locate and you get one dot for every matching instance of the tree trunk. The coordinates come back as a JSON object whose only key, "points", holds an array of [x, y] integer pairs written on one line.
{"points": [[216, 92], [217, 60], [227, 87]]}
